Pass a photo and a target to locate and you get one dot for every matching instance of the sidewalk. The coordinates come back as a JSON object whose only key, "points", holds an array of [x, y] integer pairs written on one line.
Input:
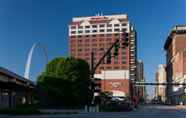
{"points": [[67, 111], [181, 107]]}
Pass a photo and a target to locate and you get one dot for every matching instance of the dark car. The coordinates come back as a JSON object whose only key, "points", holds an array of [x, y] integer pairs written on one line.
{"points": [[119, 104]]}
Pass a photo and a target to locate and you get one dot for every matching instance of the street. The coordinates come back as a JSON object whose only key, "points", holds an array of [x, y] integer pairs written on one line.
{"points": [[153, 111]]}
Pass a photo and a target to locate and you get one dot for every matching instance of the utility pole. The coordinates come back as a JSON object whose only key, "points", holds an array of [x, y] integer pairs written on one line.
{"points": [[92, 76]]}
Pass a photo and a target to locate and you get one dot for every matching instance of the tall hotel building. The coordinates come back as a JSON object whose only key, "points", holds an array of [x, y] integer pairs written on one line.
{"points": [[175, 47], [96, 34]]}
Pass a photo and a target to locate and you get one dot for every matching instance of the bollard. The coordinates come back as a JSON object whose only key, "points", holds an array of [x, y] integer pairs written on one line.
{"points": [[86, 108]]}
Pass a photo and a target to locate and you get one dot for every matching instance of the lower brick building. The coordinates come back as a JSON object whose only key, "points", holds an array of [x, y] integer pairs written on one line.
{"points": [[115, 81]]}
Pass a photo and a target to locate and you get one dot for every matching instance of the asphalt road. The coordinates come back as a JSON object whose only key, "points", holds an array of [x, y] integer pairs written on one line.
{"points": [[142, 112]]}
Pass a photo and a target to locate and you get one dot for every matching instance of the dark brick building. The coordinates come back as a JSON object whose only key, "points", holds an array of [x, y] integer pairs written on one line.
{"points": [[175, 48]]}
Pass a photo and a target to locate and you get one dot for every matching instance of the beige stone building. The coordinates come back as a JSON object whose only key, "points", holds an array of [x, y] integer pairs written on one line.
{"points": [[160, 90]]}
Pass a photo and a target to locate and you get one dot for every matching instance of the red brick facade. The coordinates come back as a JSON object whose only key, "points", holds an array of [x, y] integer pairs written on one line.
{"points": [[175, 47], [96, 34], [116, 85], [81, 47]]}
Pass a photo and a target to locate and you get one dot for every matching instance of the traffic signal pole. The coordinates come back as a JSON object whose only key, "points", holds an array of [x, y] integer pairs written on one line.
{"points": [[93, 68], [102, 58], [91, 64]]}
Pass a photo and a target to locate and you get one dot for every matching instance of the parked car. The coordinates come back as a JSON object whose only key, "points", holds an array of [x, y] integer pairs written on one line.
{"points": [[122, 103]]}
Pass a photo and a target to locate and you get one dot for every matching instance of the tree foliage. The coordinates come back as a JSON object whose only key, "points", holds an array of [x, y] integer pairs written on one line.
{"points": [[65, 82]]}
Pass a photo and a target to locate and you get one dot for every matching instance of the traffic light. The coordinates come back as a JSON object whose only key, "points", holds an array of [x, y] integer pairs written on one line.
{"points": [[116, 49], [109, 56]]}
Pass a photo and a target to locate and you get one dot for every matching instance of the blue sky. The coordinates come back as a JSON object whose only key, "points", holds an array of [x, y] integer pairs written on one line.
{"points": [[24, 22]]}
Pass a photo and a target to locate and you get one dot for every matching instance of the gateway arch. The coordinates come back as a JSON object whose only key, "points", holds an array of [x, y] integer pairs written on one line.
{"points": [[29, 59]]}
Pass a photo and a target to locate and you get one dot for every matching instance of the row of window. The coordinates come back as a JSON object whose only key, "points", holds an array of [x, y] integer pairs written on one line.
{"points": [[87, 51], [101, 30], [93, 40], [117, 67], [95, 49], [100, 25], [100, 35]]}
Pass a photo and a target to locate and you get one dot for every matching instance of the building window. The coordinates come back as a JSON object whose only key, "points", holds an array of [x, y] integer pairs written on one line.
{"points": [[80, 31], [73, 27], [87, 31], [116, 30], [124, 24], [87, 40], [79, 40], [94, 31], [123, 51], [101, 45], [109, 30], [73, 36], [117, 35], [124, 30], [94, 45], [87, 45], [87, 26], [73, 32], [80, 27], [116, 25], [86, 54], [109, 39], [87, 49], [79, 36], [94, 49], [101, 39], [86, 35], [80, 45], [87, 59], [102, 30], [94, 26], [93, 35], [109, 35], [123, 56], [102, 25], [102, 35], [109, 25], [123, 61], [94, 40], [115, 59], [79, 50]]}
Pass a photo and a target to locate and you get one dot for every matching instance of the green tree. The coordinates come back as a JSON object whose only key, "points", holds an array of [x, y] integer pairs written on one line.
{"points": [[184, 99], [65, 82]]}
